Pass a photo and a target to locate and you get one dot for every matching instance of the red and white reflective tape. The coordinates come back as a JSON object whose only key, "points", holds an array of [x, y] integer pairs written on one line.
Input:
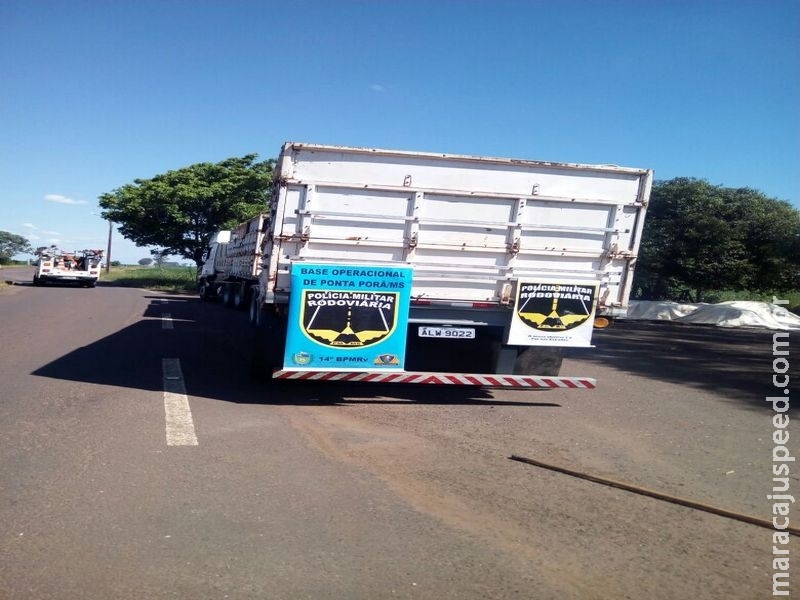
{"points": [[514, 381]]}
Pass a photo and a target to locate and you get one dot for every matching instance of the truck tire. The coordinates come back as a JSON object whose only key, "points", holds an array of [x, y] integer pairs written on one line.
{"points": [[36, 281], [204, 290], [240, 296], [227, 295], [269, 341], [254, 314], [539, 360]]}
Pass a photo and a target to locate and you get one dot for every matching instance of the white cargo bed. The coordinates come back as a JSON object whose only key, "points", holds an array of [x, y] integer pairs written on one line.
{"points": [[469, 226], [242, 255]]}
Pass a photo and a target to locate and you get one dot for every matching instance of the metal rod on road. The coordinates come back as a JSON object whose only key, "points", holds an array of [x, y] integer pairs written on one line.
{"points": [[657, 495]]}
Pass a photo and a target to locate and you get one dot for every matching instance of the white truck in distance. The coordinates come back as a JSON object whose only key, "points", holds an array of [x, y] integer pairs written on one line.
{"points": [[480, 270], [57, 266]]}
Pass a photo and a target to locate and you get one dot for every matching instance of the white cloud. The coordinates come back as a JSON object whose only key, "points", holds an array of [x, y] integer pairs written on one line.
{"points": [[58, 198], [377, 87], [30, 226]]}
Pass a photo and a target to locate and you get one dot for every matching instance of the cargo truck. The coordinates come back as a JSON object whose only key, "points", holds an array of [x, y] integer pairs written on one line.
{"points": [[232, 263], [415, 267]]}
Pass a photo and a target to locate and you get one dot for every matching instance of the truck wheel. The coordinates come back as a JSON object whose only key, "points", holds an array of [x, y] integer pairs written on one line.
{"points": [[204, 291], [269, 340], [227, 295], [240, 296], [255, 308], [36, 281], [539, 360]]}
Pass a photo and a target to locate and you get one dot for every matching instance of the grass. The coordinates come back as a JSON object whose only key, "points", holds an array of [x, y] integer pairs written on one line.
{"points": [[178, 280]]}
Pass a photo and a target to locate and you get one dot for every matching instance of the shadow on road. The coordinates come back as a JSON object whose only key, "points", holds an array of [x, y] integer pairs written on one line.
{"points": [[213, 345], [314, 394], [734, 362]]}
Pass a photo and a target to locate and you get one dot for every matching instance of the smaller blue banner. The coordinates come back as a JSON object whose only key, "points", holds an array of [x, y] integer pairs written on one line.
{"points": [[348, 317]]}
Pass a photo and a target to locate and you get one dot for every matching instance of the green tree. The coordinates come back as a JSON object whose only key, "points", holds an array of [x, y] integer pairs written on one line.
{"points": [[179, 211], [700, 237], [159, 256], [771, 230], [11, 245]]}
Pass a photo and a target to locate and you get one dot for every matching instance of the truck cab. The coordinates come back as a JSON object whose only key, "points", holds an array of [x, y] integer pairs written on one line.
{"points": [[207, 286]]}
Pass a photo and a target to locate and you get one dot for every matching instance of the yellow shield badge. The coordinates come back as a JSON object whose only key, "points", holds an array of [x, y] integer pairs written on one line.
{"points": [[555, 306], [348, 319]]}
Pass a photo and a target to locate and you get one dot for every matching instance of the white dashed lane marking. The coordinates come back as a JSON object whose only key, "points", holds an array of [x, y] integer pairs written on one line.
{"points": [[166, 321], [180, 427]]}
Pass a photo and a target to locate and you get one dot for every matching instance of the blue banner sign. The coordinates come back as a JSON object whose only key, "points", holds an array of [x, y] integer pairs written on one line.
{"points": [[348, 317]]}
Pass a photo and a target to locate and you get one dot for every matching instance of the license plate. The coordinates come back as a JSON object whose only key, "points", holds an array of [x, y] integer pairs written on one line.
{"points": [[464, 333]]}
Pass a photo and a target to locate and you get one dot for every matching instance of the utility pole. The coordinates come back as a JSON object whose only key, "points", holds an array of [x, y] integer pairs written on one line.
{"points": [[108, 252]]}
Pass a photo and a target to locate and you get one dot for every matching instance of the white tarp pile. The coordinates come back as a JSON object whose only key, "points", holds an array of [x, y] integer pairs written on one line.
{"points": [[736, 313], [651, 310]]}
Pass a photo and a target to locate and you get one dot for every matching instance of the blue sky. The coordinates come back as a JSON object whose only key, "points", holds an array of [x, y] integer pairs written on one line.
{"points": [[96, 94]]}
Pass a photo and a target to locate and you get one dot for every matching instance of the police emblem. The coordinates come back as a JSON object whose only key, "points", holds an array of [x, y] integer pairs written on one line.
{"points": [[555, 306], [302, 358], [345, 319], [386, 360]]}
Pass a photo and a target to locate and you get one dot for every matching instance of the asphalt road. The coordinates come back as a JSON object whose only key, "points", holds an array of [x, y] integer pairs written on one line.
{"points": [[347, 491]]}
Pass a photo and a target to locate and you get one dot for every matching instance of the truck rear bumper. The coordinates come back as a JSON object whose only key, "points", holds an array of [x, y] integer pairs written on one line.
{"points": [[476, 379], [66, 279]]}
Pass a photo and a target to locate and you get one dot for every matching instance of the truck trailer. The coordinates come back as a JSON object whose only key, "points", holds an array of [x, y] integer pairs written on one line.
{"points": [[232, 263], [415, 267]]}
